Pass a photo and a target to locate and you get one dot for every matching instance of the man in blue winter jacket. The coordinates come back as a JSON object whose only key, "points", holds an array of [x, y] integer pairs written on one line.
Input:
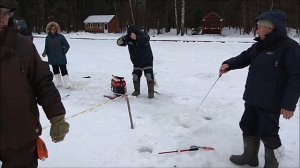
{"points": [[272, 88], [141, 57]]}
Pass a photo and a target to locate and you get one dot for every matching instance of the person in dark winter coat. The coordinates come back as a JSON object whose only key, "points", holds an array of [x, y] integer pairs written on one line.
{"points": [[56, 48], [272, 87], [25, 82], [141, 57]]}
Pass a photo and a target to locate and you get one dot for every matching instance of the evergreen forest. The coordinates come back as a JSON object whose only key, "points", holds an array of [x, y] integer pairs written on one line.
{"points": [[153, 14]]}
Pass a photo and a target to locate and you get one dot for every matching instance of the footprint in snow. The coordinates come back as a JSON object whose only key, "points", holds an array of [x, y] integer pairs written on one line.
{"points": [[145, 149], [207, 118], [184, 125]]}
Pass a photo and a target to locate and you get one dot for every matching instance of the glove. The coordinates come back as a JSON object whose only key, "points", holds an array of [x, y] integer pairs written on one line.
{"points": [[44, 54], [120, 41], [59, 128]]}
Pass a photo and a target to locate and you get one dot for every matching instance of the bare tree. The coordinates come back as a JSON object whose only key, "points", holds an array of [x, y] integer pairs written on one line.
{"points": [[243, 18], [168, 17], [41, 19], [182, 17], [272, 4], [145, 16], [131, 10], [71, 21], [158, 26], [116, 13], [176, 17]]}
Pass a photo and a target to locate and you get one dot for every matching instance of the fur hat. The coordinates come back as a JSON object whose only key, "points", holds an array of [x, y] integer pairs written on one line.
{"points": [[265, 23], [9, 4], [50, 25]]}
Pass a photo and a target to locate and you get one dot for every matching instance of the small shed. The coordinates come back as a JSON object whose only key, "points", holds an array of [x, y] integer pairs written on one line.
{"points": [[212, 24], [101, 24]]}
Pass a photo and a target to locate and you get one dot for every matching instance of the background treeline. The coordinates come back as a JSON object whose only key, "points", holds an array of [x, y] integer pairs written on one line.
{"points": [[152, 14]]}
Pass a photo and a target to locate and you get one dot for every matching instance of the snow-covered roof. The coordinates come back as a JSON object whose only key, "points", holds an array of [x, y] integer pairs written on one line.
{"points": [[98, 19]]}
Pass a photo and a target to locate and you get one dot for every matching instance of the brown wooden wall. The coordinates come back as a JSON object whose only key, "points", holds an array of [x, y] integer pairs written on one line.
{"points": [[212, 24], [113, 27]]}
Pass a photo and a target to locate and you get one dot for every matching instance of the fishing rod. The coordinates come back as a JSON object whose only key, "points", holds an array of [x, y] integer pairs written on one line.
{"points": [[192, 148], [207, 93]]}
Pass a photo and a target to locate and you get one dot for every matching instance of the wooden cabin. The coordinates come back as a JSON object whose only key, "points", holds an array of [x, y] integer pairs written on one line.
{"points": [[101, 24], [212, 24]]}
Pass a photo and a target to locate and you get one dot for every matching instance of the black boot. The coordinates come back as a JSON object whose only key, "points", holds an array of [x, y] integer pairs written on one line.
{"points": [[150, 89], [136, 85], [250, 155], [270, 159]]}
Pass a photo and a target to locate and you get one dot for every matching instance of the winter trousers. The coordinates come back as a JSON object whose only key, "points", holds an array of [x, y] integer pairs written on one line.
{"points": [[23, 156], [137, 73], [60, 68], [262, 123]]}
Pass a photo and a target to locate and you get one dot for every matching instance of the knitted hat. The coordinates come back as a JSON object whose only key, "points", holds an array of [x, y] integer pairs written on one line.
{"points": [[265, 23]]}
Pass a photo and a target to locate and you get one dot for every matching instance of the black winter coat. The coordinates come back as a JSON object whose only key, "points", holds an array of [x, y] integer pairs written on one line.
{"points": [[25, 82], [139, 49], [273, 80]]}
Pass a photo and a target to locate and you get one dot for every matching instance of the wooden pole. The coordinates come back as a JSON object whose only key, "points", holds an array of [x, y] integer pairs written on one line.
{"points": [[129, 111]]}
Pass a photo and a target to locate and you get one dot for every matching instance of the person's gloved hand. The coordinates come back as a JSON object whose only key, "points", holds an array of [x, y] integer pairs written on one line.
{"points": [[44, 54], [59, 128], [120, 41]]}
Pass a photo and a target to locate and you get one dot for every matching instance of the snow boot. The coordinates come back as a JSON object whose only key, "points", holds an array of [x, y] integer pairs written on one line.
{"points": [[270, 159], [58, 80], [250, 155], [150, 89], [136, 85], [67, 83]]}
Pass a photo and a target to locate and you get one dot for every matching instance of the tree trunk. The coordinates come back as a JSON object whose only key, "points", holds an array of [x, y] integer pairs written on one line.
{"points": [[182, 17], [145, 16], [158, 26], [116, 13], [168, 17], [176, 17], [243, 18], [131, 10], [258, 4], [42, 19], [272, 4]]}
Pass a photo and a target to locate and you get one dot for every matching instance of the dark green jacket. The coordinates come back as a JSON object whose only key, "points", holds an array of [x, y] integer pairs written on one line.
{"points": [[56, 48]]}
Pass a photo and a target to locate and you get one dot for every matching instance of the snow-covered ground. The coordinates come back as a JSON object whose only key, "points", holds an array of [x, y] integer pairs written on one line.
{"points": [[100, 134]]}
